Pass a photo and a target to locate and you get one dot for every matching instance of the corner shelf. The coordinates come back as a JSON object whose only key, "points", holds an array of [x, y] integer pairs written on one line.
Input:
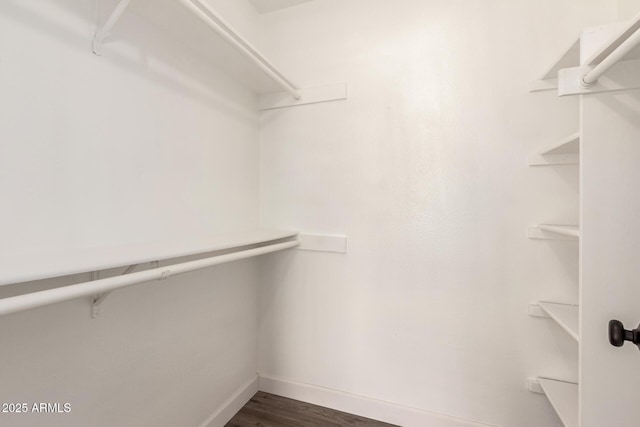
{"points": [[564, 152], [27, 267], [565, 315], [549, 80], [564, 399]]}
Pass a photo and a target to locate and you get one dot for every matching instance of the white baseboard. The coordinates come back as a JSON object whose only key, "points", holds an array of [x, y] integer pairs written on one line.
{"points": [[231, 406], [360, 405]]}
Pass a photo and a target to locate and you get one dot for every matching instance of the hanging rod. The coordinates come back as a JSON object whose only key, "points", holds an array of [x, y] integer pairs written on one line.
{"points": [[613, 53], [210, 17], [101, 286]]}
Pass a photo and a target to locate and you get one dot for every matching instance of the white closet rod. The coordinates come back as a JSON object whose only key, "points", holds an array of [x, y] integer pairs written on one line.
{"points": [[623, 49], [219, 25], [97, 287]]}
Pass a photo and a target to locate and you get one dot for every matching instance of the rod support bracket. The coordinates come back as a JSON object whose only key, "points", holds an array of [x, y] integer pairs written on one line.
{"points": [[584, 84], [97, 300]]}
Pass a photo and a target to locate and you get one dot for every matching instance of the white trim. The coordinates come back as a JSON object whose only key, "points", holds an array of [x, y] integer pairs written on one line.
{"points": [[231, 406], [360, 405]]}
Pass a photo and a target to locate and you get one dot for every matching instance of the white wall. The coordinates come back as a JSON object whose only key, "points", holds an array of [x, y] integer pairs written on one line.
{"points": [[145, 143], [628, 8], [424, 168]]}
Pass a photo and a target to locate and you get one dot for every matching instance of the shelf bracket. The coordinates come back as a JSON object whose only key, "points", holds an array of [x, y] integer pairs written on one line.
{"points": [[105, 31], [97, 300]]}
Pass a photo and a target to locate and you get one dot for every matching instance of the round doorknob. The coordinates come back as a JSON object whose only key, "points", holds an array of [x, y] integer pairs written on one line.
{"points": [[618, 334]]}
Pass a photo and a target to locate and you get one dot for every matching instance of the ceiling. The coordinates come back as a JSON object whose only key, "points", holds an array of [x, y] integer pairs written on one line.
{"points": [[266, 6]]}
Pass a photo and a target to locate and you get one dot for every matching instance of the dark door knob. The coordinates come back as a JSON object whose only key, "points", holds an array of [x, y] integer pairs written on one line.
{"points": [[618, 334]]}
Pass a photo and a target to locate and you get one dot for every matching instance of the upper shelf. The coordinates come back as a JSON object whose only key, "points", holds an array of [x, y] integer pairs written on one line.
{"points": [[22, 268], [549, 80], [198, 25], [205, 31], [564, 152]]}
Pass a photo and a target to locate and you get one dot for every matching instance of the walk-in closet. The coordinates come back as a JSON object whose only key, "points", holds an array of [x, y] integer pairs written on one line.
{"points": [[319, 213]]}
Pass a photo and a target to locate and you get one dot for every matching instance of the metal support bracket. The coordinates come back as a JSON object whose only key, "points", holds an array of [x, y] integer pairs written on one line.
{"points": [[104, 32], [97, 300]]}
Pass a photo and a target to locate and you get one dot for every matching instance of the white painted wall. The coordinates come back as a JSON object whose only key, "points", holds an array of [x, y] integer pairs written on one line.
{"points": [[424, 168], [146, 143], [628, 8]]}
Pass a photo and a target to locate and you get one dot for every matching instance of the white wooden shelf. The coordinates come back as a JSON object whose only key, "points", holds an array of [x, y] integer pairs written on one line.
{"points": [[564, 152], [196, 25], [565, 315], [200, 27], [554, 232], [549, 80], [26, 267], [564, 399]]}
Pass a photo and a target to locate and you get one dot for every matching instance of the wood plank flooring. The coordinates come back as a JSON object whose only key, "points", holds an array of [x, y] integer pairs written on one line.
{"points": [[268, 410]]}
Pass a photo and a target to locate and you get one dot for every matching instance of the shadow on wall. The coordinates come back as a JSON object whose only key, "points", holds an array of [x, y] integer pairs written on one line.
{"points": [[149, 53]]}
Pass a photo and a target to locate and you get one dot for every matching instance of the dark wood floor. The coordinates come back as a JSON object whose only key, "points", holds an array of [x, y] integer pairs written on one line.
{"points": [[268, 410]]}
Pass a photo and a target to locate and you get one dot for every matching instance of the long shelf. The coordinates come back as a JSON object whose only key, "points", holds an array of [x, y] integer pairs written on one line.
{"points": [[564, 315], [564, 399], [563, 152], [26, 267]]}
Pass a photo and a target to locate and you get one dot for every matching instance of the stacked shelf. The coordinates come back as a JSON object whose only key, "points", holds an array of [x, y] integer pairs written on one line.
{"points": [[564, 399], [564, 152], [562, 395], [549, 80], [565, 315]]}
